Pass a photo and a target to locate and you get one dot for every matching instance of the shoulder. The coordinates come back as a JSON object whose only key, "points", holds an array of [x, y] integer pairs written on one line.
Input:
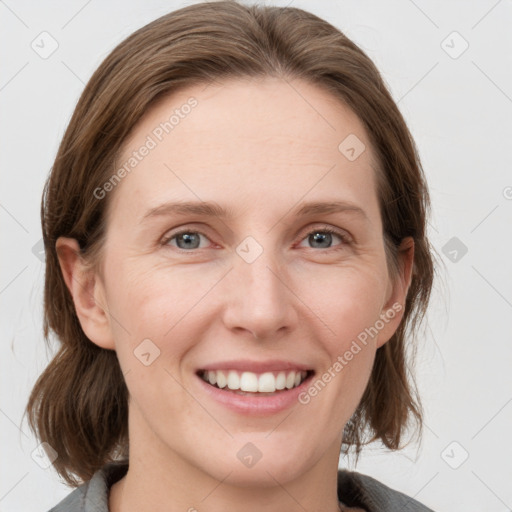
{"points": [[359, 490], [92, 496]]}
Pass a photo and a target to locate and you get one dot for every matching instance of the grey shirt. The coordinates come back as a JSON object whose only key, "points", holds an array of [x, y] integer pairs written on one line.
{"points": [[355, 490]]}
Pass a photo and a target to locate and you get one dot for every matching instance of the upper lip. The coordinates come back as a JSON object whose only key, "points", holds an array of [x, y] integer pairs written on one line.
{"points": [[256, 366]]}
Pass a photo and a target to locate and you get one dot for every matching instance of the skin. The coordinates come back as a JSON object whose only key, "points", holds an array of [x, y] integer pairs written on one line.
{"points": [[258, 148]]}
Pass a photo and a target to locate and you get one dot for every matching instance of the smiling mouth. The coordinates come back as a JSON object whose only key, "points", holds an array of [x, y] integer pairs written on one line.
{"points": [[255, 384]]}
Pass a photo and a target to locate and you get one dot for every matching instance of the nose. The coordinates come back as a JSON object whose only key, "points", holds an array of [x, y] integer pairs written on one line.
{"points": [[260, 298]]}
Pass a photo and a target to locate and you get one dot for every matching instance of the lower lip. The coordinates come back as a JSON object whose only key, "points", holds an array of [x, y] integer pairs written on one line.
{"points": [[256, 405]]}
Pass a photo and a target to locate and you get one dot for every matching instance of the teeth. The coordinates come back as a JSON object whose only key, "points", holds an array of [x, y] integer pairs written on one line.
{"points": [[249, 382], [233, 380], [267, 382], [221, 379]]}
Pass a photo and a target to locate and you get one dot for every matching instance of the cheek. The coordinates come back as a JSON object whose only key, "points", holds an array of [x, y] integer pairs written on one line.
{"points": [[158, 301], [154, 299], [149, 315], [346, 300], [163, 305]]}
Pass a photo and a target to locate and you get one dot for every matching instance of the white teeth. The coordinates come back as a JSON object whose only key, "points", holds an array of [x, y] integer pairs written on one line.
{"points": [[221, 379], [249, 382], [290, 380], [267, 382], [233, 380], [281, 380]]}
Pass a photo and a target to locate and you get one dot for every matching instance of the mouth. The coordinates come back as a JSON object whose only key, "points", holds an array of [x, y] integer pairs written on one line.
{"points": [[247, 383]]}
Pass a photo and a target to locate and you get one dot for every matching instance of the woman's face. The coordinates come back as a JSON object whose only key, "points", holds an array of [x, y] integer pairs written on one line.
{"points": [[262, 283]]}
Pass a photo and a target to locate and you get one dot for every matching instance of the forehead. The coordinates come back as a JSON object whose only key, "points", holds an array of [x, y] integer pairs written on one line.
{"points": [[246, 142]]}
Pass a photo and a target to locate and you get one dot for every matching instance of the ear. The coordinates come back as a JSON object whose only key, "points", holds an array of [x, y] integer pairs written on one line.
{"points": [[394, 308], [87, 292]]}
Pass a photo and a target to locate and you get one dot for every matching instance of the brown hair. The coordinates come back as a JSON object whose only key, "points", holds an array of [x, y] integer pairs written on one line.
{"points": [[79, 404]]}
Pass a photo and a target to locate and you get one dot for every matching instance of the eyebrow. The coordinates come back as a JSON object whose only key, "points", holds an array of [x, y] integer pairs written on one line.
{"points": [[208, 209]]}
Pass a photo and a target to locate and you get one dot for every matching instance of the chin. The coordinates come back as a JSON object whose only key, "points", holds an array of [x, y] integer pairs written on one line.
{"points": [[266, 472]]}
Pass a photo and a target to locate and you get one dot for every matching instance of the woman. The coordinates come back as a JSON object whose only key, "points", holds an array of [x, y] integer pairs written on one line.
{"points": [[235, 229]]}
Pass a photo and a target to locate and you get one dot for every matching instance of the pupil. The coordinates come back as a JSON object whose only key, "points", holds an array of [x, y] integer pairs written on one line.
{"points": [[188, 239], [321, 237]]}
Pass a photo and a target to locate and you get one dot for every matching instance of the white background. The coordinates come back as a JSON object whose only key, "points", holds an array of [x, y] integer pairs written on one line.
{"points": [[459, 111]]}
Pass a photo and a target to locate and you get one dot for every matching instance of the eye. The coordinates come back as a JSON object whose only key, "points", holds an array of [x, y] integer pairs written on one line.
{"points": [[185, 240], [322, 238]]}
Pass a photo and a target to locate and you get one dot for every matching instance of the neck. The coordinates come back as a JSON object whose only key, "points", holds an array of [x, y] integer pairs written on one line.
{"points": [[160, 475], [144, 490]]}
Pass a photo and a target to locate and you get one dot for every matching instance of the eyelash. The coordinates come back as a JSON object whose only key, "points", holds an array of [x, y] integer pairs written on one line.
{"points": [[345, 239]]}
